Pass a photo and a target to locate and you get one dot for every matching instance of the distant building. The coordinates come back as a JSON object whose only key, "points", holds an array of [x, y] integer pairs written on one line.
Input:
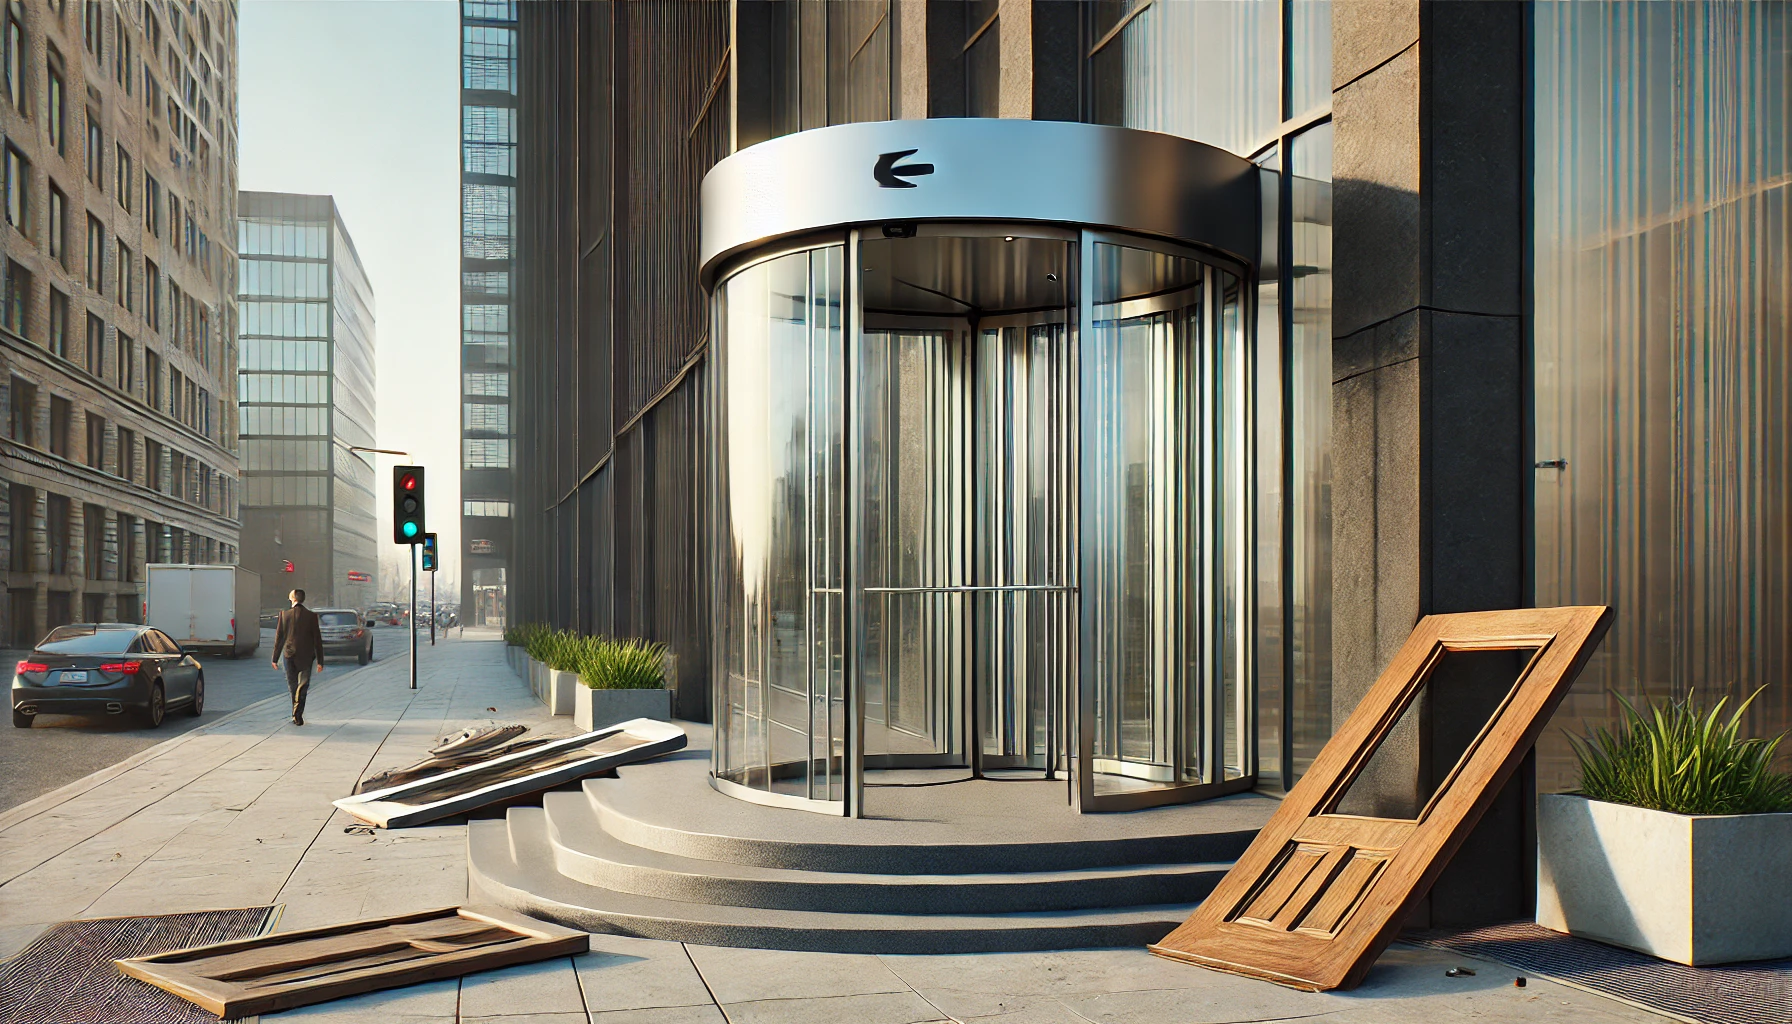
{"points": [[488, 227], [306, 394], [117, 303]]}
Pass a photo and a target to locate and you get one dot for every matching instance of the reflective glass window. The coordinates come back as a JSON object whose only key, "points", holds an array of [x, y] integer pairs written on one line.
{"points": [[495, 384], [485, 453], [488, 140], [488, 58]]}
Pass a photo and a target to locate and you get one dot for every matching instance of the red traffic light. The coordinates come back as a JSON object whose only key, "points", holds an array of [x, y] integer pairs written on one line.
{"points": [[408, 481], [286, 565]]}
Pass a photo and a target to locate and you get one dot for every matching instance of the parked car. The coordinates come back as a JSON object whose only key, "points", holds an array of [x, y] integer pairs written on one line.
{"points": [[386, 614], [107, 668], [345, 634]]}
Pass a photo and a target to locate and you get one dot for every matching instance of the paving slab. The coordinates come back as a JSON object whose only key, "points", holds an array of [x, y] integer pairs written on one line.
{"points": [[238, 813]]}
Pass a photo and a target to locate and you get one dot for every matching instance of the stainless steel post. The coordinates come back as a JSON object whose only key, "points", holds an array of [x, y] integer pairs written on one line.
{"points": [[432, 608], [413, 548]]}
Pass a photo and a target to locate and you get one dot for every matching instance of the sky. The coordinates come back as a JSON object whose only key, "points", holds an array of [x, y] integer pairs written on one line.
{"points": [[360, 99]]}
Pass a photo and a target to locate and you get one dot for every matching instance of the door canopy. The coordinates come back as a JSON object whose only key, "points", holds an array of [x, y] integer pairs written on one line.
{"points": [[970, 169]]}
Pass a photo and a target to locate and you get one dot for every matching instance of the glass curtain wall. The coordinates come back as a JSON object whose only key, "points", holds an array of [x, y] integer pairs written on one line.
{"points": [[1663, 363], [780, 728]]}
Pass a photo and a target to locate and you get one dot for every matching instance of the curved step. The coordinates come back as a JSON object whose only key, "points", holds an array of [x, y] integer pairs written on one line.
{"points": [[668, 806], [586, 853], [511, 863]]}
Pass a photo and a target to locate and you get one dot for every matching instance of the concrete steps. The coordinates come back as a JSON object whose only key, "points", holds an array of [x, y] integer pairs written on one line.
{"points": [[980, 867], [583, 851], [511, 864]]}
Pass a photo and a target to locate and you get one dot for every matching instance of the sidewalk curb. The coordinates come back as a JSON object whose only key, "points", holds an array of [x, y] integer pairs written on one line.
{"points": [[62, 794]]}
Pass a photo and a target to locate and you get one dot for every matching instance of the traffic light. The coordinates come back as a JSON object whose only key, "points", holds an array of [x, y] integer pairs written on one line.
{"points": [[407, 504], [429, 552]]}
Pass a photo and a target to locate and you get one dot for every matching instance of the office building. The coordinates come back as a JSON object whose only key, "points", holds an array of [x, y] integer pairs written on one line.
{"points": [[306, 398], [118, 344], [1108, 388], [488, 218]]}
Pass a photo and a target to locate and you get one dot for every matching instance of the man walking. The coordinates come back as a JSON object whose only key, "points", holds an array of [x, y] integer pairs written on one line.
{"points": [[302, 643]]}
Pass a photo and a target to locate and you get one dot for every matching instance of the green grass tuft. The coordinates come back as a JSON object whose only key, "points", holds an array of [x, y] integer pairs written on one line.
{"points": [[601, 663], [1683, 759]]}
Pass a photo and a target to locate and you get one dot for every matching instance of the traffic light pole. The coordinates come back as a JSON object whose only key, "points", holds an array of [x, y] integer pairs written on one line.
{"points": [[413, 616], [432, 608]]}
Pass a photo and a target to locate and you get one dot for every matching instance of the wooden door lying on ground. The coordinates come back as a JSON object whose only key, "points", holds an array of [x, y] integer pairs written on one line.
{"points": [[1320, 893], [278, 972]]}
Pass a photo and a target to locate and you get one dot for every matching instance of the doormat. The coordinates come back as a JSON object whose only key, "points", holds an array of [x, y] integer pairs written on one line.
{"points": [[1757, 992], [66, 975]]}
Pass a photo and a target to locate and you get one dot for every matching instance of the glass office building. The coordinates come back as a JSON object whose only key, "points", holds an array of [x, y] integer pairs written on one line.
{"points": [[488, 218], [305, 390], [1512, 333]]}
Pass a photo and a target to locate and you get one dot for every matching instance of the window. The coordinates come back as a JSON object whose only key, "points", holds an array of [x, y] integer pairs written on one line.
{"points": [[152, 379], [205, 412], [282, 238], [127, 565], [284, 319], [57, 115], [96, 254], [152, 469], [93, 24], [15, 55], [96, 441], [58, 323], [488, 140], [490, 10], [486, 221], [22, 500], [23, 422], [127, 454], [492, 282], [96, 152], [125, 178], [490, 384], [152, 295], [488, 59], [152, 205], [492, 418], [18, 185], [58, 230], [126, 293], [480, 453], [56, 531], [485, 508], [127, 357], [96, 346], [284, 280], [121, 56], [62, 414], [18, 298]]}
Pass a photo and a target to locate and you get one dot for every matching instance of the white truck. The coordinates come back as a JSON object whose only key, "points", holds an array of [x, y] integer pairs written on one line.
{"points": [[213, 608]]}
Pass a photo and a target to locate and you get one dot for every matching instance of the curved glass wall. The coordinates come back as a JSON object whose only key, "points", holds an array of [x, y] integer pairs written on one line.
{"points": [[981, 507]]}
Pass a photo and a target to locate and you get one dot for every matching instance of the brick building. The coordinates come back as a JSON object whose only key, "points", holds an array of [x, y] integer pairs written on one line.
{"points": [[118, 352]]}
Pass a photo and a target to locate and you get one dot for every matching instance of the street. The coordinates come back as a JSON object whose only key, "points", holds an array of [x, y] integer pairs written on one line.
{"points": [[58, 749]]}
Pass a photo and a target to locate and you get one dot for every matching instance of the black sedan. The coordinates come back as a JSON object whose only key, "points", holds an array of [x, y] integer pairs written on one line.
{"points": [[107, 668]]}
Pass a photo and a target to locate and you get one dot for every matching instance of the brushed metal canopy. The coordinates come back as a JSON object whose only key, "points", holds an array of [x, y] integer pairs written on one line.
{"points": [[1060, 172]]}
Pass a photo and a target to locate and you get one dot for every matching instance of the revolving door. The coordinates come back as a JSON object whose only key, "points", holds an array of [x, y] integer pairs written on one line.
{"points": [[979, 498]]}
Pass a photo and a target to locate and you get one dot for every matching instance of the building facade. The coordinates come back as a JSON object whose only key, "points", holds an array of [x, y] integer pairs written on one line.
{"points": [[119, 327], [306, 397], [488, 228], [1480, 375]]}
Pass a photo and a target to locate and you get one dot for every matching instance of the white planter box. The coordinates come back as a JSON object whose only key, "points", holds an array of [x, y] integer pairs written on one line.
{"points": [[559, 695], [538, 680], [594, 709], [1695, 889]]}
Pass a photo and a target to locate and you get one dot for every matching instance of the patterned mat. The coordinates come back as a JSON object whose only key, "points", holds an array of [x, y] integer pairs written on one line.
{"points": [[66, 975], [1759, 992]]}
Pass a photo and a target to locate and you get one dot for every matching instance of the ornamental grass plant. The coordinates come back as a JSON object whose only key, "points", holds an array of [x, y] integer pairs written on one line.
{"points": [[600, 662], [1684, 759], [624, 665]]}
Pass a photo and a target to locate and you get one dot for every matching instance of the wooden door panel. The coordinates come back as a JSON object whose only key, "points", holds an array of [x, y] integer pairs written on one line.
{"points": [[1318, 895], [280, 971]]}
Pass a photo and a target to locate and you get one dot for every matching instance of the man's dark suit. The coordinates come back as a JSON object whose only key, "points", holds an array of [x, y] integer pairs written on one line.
{"points": [[299, 640]]}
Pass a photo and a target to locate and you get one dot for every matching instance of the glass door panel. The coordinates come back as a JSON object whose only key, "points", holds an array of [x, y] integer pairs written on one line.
{"points": [[779, 710], [1160, 702], [914, 482]]}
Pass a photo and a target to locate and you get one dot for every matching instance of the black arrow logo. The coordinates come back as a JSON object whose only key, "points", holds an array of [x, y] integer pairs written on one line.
{"points": [[890, 176]]}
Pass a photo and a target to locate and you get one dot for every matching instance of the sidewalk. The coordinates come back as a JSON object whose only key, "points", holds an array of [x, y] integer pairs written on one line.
{"points": [[237, 813]]}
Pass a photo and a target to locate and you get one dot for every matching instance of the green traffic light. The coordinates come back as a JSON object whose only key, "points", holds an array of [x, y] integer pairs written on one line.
{"points": [[410, 529]]}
